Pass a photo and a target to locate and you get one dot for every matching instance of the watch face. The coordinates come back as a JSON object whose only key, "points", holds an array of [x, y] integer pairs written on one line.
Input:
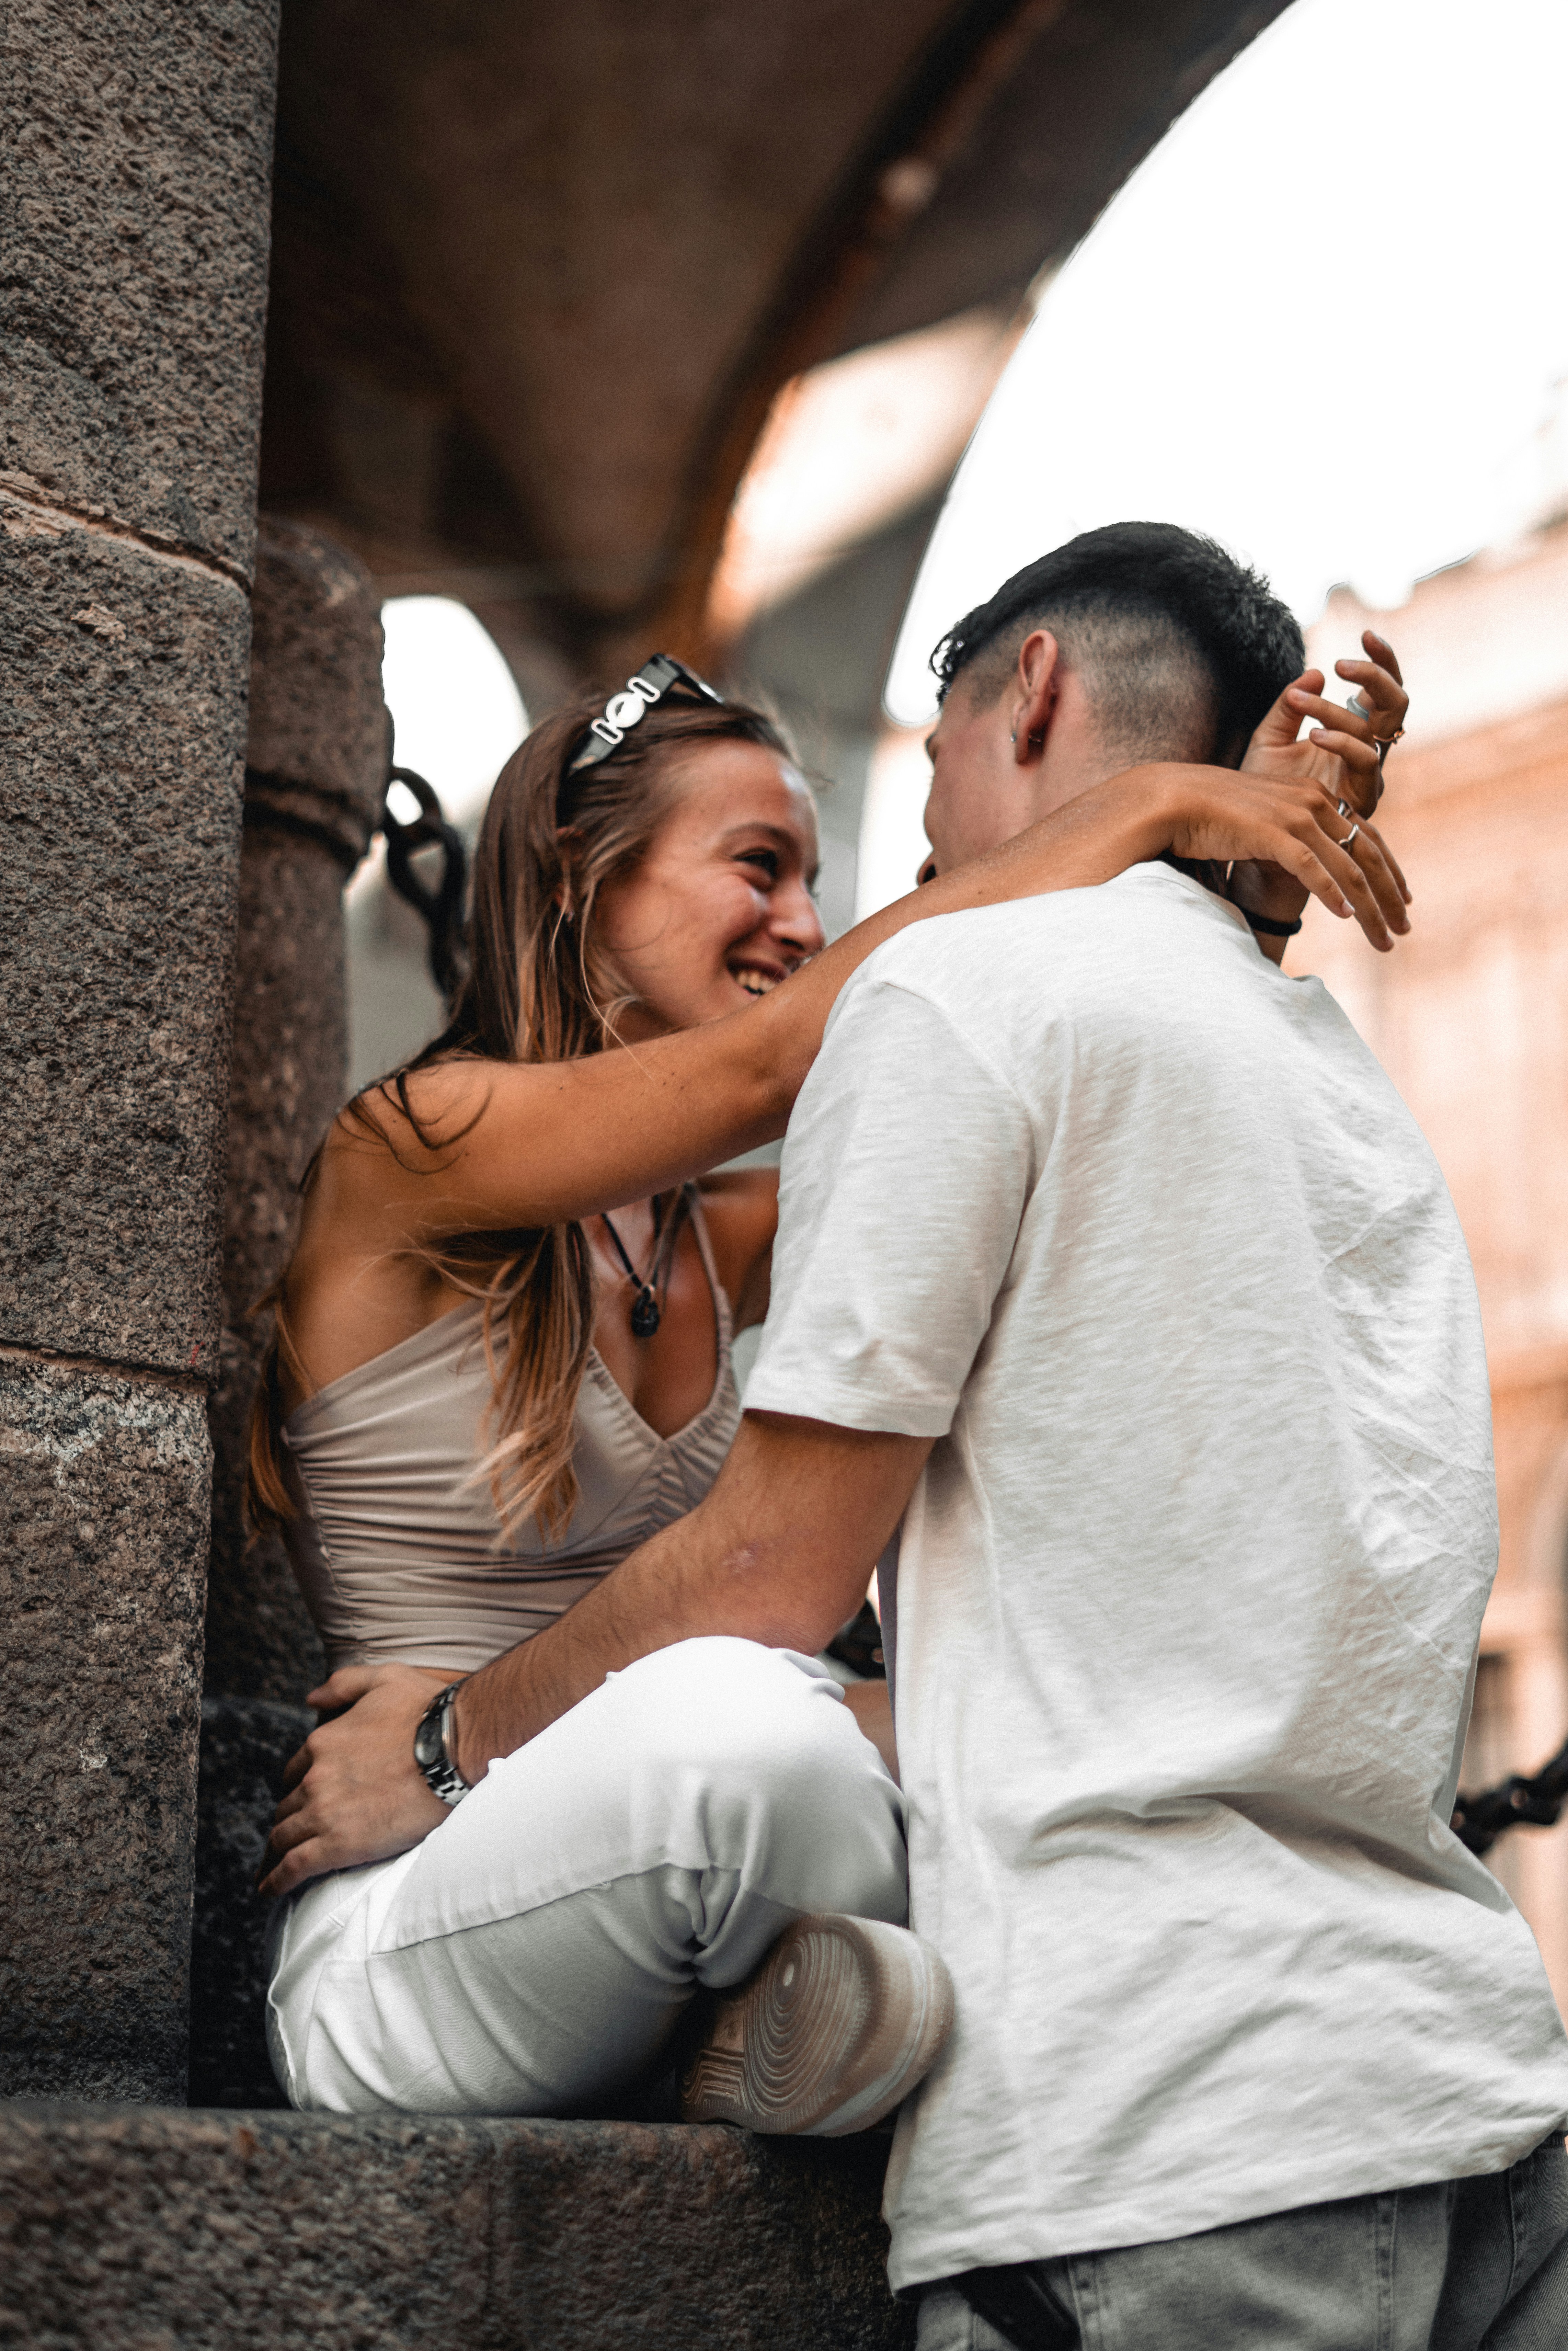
{"points": [[427, 1747]]}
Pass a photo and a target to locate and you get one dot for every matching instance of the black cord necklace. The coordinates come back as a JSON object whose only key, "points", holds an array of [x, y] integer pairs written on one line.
{"points": [[645, 1308]]}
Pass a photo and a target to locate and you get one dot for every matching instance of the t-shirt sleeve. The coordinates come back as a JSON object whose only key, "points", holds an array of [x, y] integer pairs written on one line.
{"points": [[907, 1169]]}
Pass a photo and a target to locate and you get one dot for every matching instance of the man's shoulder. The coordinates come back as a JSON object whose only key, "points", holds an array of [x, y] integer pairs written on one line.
{"points": [[967, 957]]}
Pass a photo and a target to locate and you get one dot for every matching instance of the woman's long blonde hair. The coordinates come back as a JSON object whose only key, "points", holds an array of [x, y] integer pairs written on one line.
{"points": [[540, 987]]}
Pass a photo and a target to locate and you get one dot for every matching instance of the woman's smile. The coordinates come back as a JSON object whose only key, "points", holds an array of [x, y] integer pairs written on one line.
{"points": [[759, 978], [720, 906]]}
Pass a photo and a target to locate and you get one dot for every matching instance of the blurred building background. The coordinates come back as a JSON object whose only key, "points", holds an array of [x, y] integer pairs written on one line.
{"points": [[1469, 1017]]}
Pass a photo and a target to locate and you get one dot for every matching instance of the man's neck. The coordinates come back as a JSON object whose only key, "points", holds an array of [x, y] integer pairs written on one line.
{"points": [[1203, 870]]}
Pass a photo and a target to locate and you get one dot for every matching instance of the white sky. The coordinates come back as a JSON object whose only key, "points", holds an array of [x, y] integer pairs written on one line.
{"points": [[456, 710], [1327, 323], [456, 713]]}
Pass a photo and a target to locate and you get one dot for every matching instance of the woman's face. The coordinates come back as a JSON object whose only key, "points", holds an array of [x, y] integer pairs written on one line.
{"points": [[720, 909]]}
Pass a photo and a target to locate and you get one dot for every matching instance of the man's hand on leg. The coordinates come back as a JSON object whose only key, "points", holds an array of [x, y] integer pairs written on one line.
{"points": [[355, 1793]]}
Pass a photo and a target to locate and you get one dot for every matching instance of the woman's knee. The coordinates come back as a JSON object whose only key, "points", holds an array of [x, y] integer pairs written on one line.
{"points": [[755, 1756], [737, 1705]]}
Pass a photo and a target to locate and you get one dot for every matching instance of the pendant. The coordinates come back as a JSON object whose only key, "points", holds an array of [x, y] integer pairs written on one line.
{"points": [[644, 1314]]}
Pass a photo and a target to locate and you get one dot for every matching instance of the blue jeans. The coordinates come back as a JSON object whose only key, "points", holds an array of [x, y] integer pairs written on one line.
{"points": [[1476, 2265]]}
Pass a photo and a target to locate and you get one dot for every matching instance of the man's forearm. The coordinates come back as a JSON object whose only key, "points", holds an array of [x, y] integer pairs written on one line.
{"points": [[779, 1553], [652, 1600], [686, 1581]]}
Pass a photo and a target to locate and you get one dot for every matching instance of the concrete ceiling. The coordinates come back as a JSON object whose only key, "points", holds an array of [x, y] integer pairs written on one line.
{"points": [[540, 272]]}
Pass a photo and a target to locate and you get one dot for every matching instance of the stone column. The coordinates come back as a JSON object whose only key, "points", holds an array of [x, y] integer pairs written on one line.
{"points": [[135, 155], [314, 771]]}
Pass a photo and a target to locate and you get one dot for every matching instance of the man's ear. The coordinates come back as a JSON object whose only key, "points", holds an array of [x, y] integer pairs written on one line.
{"points": [[1035, 685]]}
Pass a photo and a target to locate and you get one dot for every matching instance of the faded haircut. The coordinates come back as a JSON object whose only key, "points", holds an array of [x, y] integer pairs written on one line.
{"points": [[1182, 650]]}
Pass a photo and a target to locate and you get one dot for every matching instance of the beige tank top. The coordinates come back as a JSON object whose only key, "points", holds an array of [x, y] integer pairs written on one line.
{"points": [[399, 1551]]}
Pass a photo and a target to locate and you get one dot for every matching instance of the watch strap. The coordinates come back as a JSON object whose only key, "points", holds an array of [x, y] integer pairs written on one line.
{"points": [[432, 1754]]}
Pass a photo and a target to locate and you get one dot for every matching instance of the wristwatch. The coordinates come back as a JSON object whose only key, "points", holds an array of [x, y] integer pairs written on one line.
{"points": [[430, 1752]]}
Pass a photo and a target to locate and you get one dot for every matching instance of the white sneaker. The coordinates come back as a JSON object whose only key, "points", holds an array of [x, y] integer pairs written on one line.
{"points": [[839, 2022]]}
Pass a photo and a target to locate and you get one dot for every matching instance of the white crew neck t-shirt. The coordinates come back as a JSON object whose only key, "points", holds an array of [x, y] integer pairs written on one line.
{"points": [[1190, 1589]]}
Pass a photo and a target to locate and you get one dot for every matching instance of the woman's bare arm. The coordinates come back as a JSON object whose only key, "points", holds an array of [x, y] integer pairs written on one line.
{"points": [[550, 1142]]}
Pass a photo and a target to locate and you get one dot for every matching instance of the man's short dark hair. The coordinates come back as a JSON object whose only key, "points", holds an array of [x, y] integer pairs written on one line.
{"points": [[1182, 648]]}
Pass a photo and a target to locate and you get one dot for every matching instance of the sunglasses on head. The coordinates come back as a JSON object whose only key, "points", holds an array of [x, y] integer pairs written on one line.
{"points": [[659, 675]]}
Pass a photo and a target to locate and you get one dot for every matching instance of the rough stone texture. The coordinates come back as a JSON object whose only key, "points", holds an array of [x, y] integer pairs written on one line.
{"points": [[316, 765], [289, 1046], [316, 711], [121, 727], [137, 2230], [260, 1637], [245, 1743], [103, 1528], [137, 147]]}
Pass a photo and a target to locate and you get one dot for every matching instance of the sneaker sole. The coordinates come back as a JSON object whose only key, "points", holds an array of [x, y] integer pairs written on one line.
{"points": [[836, 2025]]}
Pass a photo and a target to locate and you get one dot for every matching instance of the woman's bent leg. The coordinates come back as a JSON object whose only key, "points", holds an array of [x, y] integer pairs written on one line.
{"points": [[534, 1954]]}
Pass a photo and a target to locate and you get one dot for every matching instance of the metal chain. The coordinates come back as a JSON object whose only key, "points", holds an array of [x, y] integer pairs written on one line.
{"points": [[1515, 1803], [441, 909]]}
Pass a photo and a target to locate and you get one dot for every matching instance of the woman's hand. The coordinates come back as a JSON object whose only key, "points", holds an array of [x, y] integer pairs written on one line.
{"points": [[1343, 749], [355, 1793], [1275, 813], [1341, 753], [1382, 705]]}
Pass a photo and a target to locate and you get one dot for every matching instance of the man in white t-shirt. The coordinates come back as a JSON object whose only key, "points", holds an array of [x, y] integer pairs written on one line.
{"points": [[1188, 1594], [1112, 1263]]}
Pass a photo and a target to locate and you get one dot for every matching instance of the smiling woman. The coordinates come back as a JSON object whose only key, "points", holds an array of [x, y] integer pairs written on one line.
{"points": [[722, 899], [619, 898]]}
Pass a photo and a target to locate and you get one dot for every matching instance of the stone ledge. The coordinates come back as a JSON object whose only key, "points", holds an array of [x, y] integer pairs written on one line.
{"points": [[145, 2229]]}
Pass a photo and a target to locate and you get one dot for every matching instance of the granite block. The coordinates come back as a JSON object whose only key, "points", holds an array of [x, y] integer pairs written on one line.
{"points": [[136, 141], [245, 1743], [122, 714], [316, 716], [139, 2230], [103, 1527]]}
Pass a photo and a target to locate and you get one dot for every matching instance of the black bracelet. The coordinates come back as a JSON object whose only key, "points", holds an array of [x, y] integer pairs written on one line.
{"points": [[1269, 928]]}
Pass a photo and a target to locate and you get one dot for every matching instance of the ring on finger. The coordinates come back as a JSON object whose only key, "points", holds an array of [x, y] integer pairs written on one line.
{"points": [[1351, 835]]}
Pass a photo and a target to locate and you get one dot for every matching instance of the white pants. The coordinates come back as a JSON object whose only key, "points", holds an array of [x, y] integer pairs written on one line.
{"points": [[533, 1956]]}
